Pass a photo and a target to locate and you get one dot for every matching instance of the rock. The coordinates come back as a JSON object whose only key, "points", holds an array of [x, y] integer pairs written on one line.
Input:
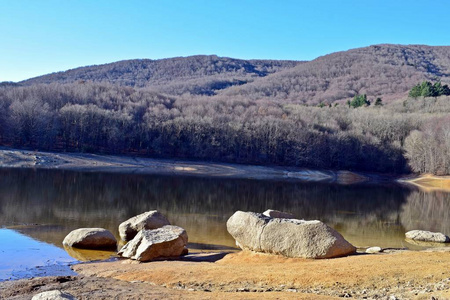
{"points": [[148, 220], [288, 237], [278, 214], [90, 238], [372, 250], [53, 295], [427, 236], [167, 241]]}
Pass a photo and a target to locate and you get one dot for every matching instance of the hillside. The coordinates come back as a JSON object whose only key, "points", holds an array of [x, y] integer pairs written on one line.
{"points": [[386, 71], [179, 112], [198, 75]]}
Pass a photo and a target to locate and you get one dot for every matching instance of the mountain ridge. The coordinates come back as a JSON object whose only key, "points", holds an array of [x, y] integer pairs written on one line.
{"points": [[383, 70]]}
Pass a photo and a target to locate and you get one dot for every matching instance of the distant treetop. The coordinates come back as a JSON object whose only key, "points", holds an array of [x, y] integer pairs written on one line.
{"points": [[427, 89], [359, 100]]}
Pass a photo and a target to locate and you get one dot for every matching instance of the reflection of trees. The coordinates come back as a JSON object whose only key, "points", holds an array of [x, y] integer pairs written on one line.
{"points": [[427, 211], [200, 205]]}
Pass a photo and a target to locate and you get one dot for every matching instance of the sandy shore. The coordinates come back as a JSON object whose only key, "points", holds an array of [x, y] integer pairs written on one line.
{"points": [[248, 275], [430, 183]]}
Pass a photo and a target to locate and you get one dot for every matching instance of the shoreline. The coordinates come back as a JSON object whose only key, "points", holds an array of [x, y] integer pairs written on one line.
{"points": [[250, 275], [243, 274], [85, 162]]}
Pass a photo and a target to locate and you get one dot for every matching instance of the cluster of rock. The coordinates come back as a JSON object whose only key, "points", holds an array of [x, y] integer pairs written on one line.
{"points": [[279, 233], [149, 236]]}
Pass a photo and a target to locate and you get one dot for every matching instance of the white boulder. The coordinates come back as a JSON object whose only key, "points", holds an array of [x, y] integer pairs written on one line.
{"points": [[288, 237], [148, 220], [373, 250], [53, 295], [90, 238], [427, 236], [165, 242]]}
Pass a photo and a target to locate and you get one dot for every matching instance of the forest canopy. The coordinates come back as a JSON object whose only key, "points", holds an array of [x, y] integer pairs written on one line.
{"points": [[271, 112], [104, 118]]}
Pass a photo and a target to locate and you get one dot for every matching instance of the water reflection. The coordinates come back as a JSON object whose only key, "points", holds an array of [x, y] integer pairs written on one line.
{"points": [[427, 211], [366, 215]]}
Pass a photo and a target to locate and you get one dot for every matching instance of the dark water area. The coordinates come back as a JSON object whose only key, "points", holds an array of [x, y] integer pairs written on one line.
{"points": [[48, 204]]}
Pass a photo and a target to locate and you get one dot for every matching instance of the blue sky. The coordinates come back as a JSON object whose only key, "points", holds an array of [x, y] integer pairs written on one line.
{"points": [[40, 37]]}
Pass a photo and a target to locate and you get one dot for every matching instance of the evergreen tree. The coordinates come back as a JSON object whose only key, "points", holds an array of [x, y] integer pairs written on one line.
{"points": [[427, 89], [359, 100], [415, 91]]}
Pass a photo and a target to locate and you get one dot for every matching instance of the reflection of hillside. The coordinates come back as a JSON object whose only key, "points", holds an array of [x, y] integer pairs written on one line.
{"points": [[202, 206], [427, 211]]}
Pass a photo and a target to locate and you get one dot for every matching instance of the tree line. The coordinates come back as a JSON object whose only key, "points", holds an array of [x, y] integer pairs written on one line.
{"points": [[104, 118]]}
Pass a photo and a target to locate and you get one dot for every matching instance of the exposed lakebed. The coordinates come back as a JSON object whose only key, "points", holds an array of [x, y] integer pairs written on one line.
{"points": [[47, 204]]}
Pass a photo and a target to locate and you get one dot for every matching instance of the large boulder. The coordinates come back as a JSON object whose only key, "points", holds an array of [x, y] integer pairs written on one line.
{"points": [[427, 236], [148, 220], [53, 295], [288, 237], [90, 238], [165, 242]]}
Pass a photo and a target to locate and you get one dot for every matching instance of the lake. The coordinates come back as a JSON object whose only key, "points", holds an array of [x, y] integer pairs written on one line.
{"points": [[45, 205]]}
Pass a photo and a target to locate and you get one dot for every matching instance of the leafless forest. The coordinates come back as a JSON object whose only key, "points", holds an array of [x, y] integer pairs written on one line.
{"points": [[258, 112]]}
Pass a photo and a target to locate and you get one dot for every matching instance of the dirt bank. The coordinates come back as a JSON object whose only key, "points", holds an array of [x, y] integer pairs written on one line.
{"points": [[247, 275], [404, 274]]}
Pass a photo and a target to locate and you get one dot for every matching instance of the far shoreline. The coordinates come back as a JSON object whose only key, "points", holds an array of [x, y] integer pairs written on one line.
{"points": [[87, 162]]}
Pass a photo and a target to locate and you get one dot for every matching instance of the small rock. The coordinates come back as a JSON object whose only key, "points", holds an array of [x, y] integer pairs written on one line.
{"points": [[53, 295], [167, 241], [271, 213], [90, 238], [148, 220], [427, 236], [373, 250]]}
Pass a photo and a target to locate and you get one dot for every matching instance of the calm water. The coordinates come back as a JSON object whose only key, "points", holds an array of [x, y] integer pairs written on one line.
{"points": [[48, 204]]}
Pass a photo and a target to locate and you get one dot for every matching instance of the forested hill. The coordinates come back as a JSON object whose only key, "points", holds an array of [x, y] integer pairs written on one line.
{"points": [[198, 75], [386, 71], [191, 108]]}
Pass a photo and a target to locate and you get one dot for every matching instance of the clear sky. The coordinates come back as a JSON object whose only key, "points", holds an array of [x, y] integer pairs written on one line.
{"points": [[40, 37]]}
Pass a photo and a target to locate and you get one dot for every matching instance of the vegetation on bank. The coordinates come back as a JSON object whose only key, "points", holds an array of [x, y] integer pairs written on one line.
{"points": [[397, 138]]}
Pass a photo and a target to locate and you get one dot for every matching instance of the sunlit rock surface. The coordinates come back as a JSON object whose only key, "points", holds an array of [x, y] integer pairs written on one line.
{"points": [[90, 238], [427, 236], [288, 237], [167, 241], [272, 213], [53, 295], [148, 220]]}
